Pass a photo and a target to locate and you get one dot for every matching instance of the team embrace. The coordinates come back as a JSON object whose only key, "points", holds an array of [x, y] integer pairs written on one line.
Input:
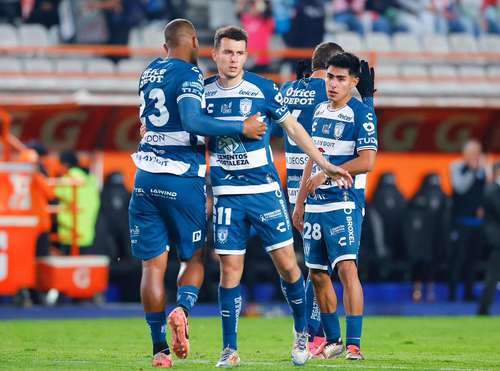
{"points": [[330, 142]]}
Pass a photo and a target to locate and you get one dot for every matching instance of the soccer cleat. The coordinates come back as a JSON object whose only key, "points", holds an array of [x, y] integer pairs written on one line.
{"points": [[330, 351], [300, 350], [229, 358], [316, 346], [353, 353], [162, 360], [180, 339]]}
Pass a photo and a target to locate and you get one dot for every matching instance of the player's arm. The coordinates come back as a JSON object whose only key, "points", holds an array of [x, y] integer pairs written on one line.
{"points": [[298, 211], [300, 136], [194, 120]]}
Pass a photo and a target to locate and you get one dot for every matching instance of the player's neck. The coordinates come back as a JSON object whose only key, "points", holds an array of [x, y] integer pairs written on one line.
{"points": [[341, 103], [319, 74], [179, 54], [230, 82]]}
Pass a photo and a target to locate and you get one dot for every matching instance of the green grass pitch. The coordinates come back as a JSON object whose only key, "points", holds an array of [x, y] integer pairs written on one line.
{"points": [[400, 343]]}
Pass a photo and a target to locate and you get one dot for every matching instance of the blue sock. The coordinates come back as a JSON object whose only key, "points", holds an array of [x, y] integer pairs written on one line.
{"points": [[314, 326], [157, 324], [230, 308], [295, 296], [353, 332], [331, 324], [187, 297]]}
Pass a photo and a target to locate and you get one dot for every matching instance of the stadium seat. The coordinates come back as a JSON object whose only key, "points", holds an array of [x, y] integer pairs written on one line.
{"points": [[69, 66], [9, 35], [33, 35], [471, 72], [387, 70], [221, 13], [131, 66], [9, 64], [152, 36], [444, 79], [350, 41], [489, 43], [406, 42], [462, 43], [378, 41], [493, 71], [414, 71], [435, 43], [34, 65], [418, 81], [100, 65]]}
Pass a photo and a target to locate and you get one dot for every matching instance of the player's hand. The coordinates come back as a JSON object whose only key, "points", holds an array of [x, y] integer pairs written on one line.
{"points": [[142, 130], [253, 127], [339, 175], [298, 217], [366, 84], [303, 68], [314, 182]]}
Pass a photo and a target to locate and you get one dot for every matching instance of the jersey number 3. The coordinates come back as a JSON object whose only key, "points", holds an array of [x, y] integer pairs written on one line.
{"points": [[159, 97]]}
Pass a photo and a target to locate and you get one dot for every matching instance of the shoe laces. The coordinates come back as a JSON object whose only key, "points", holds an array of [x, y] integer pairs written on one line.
{"points": [[226, 353], [301, 340]]}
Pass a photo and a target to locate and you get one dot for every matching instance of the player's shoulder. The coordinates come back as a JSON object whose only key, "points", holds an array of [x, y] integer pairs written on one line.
{"points": [[211, 80], [321, 108], [358, 106], [264, 84]]}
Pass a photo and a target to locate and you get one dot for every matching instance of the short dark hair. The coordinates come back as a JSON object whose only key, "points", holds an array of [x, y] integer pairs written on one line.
{"points": [[175, 28], [346, 60], [69, 158], [322, 54], [230, 32]]}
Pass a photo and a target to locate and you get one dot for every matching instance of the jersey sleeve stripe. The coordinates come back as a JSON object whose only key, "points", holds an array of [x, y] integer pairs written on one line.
{"points": [[366, 147], [188, 95], [283, 118]]}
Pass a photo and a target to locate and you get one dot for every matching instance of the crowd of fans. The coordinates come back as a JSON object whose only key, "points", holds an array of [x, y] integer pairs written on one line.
{"points": [[110, 21]]}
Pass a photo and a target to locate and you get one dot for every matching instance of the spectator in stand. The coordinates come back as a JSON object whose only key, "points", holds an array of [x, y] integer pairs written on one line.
{"points": [[87, 204], [491, 202], [463, 16], [490, 16], [349, 13], [256, 18], [468, 178], [310, 16]]}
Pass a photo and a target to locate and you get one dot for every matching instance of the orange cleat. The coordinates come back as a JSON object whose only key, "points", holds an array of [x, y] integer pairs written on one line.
{"points": [[162, 360], [180, 339]]}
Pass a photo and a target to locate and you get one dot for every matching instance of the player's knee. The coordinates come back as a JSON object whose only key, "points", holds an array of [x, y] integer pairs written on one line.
{"points": [[347, 270]]}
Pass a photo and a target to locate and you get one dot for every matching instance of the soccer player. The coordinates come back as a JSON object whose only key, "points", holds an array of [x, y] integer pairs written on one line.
{"points": [[167, 207], [247, 190], [302, 96], [344, 129]]}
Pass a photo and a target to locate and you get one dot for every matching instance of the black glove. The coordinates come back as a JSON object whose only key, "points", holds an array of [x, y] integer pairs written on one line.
{"points": [[303, 68], [366, 84]]}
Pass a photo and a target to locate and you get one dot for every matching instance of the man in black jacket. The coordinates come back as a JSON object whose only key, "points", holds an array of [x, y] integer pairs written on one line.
{"points": [[491, 202]]}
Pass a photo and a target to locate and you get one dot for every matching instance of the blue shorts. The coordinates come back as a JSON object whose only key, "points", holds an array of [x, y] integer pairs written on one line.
{"points": [[167, 210], [330, 237], [235, 214]]}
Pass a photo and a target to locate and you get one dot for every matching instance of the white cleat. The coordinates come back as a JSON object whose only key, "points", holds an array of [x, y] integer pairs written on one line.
{"points": [[330, 351], [300, 350], [229, 358]]}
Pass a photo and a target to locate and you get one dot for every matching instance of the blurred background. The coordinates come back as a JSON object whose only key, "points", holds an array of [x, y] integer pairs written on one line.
{"points": [[69, 73]]}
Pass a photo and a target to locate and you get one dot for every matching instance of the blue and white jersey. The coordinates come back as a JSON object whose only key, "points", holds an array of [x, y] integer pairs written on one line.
{"points": [[302, 96], [167, 147], [239, 165], [340, 135]]}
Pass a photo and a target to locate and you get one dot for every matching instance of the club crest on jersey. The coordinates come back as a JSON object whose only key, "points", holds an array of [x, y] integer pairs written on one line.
{"points": [[245, 106], [222, 234], [338, 130], [326, 129]]}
